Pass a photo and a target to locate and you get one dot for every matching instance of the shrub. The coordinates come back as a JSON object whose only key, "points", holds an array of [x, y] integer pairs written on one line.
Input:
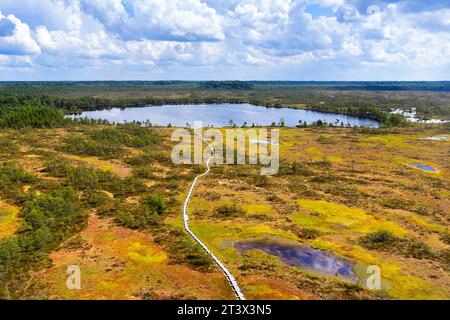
{"points": [[230, 210], [445, 237], [173, 184], [83, 178], [87, 178], [384, 240], [125, 187], [88, 147], [47, 220], [96, 198], [9, 252], [32, 116], [129, 135], [11, 171], [378, 239], [407, 205], [393, 120], [307, 233], [110, 135], [141, 137], [139, 219], [419, 250], [273, 198], [182, 249], [260, 181], [148, 158], [143, 172], [157, 203], [398, 203], [58, 168], [7, 147]]}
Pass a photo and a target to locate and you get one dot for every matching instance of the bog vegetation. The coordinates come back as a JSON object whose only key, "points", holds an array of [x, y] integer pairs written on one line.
{"points": [[347, 191]]}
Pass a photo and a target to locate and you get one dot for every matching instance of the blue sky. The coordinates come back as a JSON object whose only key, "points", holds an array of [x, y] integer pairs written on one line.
{"points": [[224, 39]]}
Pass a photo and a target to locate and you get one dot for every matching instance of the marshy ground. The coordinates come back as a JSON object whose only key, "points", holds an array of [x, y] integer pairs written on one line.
{"points": [[356, 195]]}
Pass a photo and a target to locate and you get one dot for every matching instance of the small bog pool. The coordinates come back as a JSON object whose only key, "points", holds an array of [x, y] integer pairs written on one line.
{"points": [[422, 166], [313, 260], [436, 138]]}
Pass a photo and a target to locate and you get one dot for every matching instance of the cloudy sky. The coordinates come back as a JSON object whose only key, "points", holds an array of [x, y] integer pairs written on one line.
{"points": [[225, 39]]}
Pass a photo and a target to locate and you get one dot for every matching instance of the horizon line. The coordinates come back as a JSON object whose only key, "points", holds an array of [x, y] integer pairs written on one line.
{"points": [[230, 80]]}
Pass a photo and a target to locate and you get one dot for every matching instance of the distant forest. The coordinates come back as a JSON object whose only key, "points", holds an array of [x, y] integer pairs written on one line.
{"points": [[432, 86]]}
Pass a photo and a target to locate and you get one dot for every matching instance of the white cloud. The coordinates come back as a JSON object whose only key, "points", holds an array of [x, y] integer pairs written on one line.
{"points": [[170, 34], [13, 62], [17, 39], [178, 20]]}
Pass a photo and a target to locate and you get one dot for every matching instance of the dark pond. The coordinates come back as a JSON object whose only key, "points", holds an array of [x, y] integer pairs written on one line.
{"points": [[306, 258], [423, 167], [219, 115]]}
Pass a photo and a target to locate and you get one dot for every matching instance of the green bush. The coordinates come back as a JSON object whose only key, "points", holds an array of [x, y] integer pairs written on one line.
{"points": [[393, 120], [9, 252], [260, 181], [182, 249], [156, 202], [229, 210], [129, 135], [386, 241], [88, 147], [11, 171], [32, 116], [7, 147], [378, 239], [96, 198], [148, 157], [138, 219], [141, 137], [12, 178], [109, 135], [58, 168], [125, 187], [46, 221], [407, 205], [307, 233], [445, 237], [89, 179], [143, 172], [419, 250], [111, 141], [83, 178]]}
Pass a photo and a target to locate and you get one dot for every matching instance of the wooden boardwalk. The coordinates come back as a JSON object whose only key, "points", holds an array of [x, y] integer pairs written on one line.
{"points": [[233, 284]]}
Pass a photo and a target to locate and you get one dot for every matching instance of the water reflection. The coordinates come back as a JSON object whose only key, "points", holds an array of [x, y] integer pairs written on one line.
{"points": [[219, 115], [306, 258]]}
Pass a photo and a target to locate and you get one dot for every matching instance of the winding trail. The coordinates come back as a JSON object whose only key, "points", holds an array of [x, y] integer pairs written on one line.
{"points": [[234, 285]]}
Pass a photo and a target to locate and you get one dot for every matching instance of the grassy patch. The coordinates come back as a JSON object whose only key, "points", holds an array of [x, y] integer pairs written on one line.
{"points": [[332, 217], [8, 219]]}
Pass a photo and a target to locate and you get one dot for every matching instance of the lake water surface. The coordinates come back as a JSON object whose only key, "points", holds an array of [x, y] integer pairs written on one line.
{"points": [[219, 115], [306, 258]]}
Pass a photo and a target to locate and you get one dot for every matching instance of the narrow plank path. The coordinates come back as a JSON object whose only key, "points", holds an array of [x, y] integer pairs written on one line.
{"points": [[233, 284]]}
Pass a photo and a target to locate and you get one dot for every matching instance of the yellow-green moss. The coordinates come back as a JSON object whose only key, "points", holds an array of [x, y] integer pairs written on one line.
{"points": [[332, 217], [397, 283], [8, 220], [259, 209], [427, 225], [139, 253]]}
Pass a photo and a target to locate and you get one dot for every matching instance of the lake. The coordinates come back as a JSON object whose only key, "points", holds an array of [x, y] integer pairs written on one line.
{"points": [[219, 115]]}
